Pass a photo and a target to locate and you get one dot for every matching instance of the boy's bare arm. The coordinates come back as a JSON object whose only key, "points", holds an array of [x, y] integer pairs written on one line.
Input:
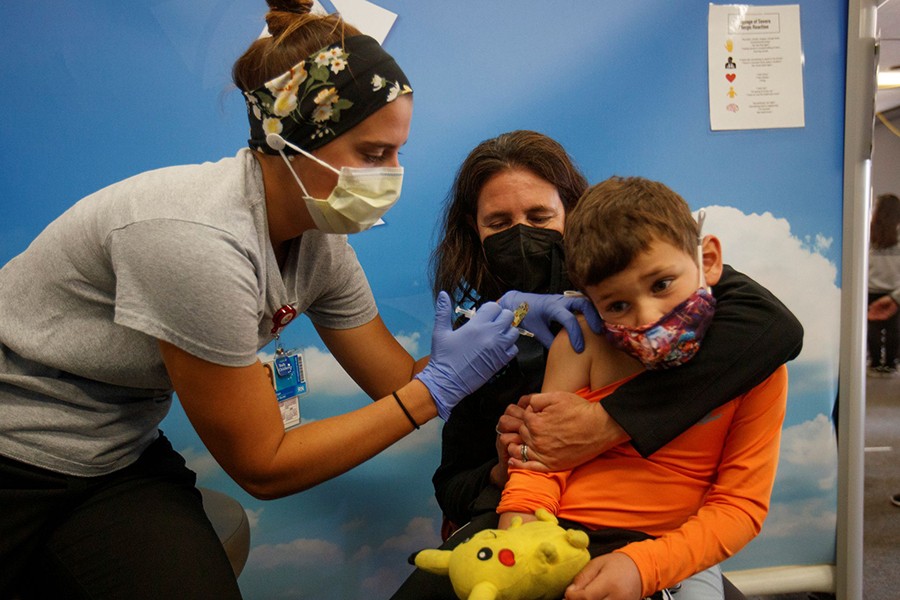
{"points": [[561, 429]]}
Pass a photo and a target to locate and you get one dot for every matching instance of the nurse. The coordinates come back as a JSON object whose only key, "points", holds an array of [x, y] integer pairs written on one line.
{"points": [[171, 281]]}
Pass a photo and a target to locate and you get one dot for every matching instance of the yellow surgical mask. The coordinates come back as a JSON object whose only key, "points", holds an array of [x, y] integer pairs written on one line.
{"points": [[358, 201]]}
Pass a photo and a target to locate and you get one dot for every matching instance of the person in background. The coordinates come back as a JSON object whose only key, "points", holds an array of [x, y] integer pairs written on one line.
{"points": [[885, 307], [170, 282], [634, 248], [502, 231], [883, 334], [882, 309]]}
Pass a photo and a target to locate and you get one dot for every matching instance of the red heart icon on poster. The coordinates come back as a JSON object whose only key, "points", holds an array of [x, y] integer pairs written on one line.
{"points": [[730, 77]]}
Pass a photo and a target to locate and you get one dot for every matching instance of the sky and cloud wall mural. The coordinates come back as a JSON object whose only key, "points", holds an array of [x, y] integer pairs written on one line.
{"points": [[100, 90]]}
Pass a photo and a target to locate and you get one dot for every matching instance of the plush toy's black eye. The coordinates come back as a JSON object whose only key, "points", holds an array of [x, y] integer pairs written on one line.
{"points": [[485, 554]]}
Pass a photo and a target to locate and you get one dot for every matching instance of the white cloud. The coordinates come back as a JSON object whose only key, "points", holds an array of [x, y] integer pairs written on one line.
{"points": [[364, 552], [201, 462], [425, 440], [822, 243], [253, 516], [803, 501], [384, 582], [353, 525], [808, 457], [410, 342], [327, 378], [763, 247], [799, 519], [298, 553], [420, 532]]}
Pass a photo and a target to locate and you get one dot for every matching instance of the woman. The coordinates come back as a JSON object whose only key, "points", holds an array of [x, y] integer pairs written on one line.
{"points": [[502, 231], [884, 277], [172, 281]]}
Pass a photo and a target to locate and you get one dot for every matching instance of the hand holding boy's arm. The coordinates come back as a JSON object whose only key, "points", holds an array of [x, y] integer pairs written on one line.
{"points": [[612, 576], [563, 430]]}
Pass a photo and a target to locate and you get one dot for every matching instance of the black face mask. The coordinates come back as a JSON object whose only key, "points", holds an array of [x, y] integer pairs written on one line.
{"points": [[527, 259]]}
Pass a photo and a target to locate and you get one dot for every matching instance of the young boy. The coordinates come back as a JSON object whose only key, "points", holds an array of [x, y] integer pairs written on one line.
{"points": [[632, 246]]}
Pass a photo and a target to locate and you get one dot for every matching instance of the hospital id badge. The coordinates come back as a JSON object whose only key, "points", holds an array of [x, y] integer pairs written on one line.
{"points": [[289, 380]]}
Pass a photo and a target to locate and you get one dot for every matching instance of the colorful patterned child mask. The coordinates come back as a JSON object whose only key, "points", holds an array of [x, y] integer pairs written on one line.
{"points": [[672, 340]]}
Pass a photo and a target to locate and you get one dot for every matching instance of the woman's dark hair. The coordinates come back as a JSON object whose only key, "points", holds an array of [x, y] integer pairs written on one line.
{"points": [[457, 263], [885, 221], [295, 34]]}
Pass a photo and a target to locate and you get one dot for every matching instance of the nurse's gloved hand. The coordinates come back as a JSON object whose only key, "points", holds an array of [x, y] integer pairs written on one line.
{"points": [[464, 359], [544, 309]]}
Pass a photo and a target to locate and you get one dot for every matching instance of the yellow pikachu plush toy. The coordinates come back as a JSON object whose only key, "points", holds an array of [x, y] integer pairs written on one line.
{"points": [[529, 561]]}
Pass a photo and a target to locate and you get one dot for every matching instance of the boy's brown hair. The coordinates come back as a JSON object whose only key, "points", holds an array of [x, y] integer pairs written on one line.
{"points": [[619, 218]]}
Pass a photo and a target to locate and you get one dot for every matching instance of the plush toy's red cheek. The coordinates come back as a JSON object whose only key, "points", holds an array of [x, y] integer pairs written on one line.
{"points": [[506, 557]]}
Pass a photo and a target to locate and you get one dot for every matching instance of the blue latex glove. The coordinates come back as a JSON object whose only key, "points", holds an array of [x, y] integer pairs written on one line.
{"points": [[464, 359], [544, 309]]}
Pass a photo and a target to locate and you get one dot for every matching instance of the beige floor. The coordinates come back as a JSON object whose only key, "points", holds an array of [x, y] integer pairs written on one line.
{"points": [[881, 531]]}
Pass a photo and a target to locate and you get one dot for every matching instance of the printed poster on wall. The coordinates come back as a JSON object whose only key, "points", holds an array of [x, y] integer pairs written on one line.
{"points": [[755, 67]]}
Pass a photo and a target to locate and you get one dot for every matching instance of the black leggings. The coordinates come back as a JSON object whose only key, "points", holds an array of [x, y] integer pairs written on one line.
{"points": [[883, 338], [140, 532]]}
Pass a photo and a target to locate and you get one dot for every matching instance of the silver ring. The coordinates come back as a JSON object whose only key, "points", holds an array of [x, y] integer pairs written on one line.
{"points": [[497, 429], [524, 451]]}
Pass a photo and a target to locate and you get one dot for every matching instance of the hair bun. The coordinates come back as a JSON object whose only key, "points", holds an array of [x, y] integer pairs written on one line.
{"points": [[283, 13], [299, 7]]}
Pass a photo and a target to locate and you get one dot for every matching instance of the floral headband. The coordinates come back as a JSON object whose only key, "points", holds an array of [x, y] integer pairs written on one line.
{"points": [[325, 95]]}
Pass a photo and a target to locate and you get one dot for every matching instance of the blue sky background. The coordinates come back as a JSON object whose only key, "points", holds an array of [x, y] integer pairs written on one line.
{"points": [[98, 90]]}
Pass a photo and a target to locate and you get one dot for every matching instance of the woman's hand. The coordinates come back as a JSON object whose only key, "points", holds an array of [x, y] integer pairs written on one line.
{"points": [[500, 471], [613, 576], [507, 437], [562, 430], [544, 309], [464, 359]]}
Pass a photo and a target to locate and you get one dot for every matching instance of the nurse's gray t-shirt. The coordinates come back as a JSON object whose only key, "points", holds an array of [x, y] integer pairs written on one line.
{"points": [[180, 254]]}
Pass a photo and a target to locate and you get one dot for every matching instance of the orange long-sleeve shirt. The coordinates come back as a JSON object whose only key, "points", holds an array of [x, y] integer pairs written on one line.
{"points": [[704, 495]]}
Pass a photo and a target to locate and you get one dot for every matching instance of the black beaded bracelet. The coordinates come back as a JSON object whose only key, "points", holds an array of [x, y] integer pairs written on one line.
{"points": [[405, 412]]}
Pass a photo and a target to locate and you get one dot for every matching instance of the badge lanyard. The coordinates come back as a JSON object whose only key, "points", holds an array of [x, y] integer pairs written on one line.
{"points": [[286, 371]]}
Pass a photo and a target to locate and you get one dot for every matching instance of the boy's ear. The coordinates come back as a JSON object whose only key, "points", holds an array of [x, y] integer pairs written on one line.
{"points": [[712, 259]]}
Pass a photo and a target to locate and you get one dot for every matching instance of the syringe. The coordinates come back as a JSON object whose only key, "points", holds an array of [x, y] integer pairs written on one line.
{"points": [[518, 315]]}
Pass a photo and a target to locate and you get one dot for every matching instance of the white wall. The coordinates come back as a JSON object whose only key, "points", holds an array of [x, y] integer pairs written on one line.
{"points": [[886, 157]]}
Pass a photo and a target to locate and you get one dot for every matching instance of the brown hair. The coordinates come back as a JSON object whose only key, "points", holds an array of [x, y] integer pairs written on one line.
{"points": [[885, 221], [619, 218], [295, 34], [457, 263]]}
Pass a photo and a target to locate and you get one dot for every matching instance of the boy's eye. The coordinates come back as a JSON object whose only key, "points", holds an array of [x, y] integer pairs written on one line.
{"points": [[615, 308], [662, 285]]}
